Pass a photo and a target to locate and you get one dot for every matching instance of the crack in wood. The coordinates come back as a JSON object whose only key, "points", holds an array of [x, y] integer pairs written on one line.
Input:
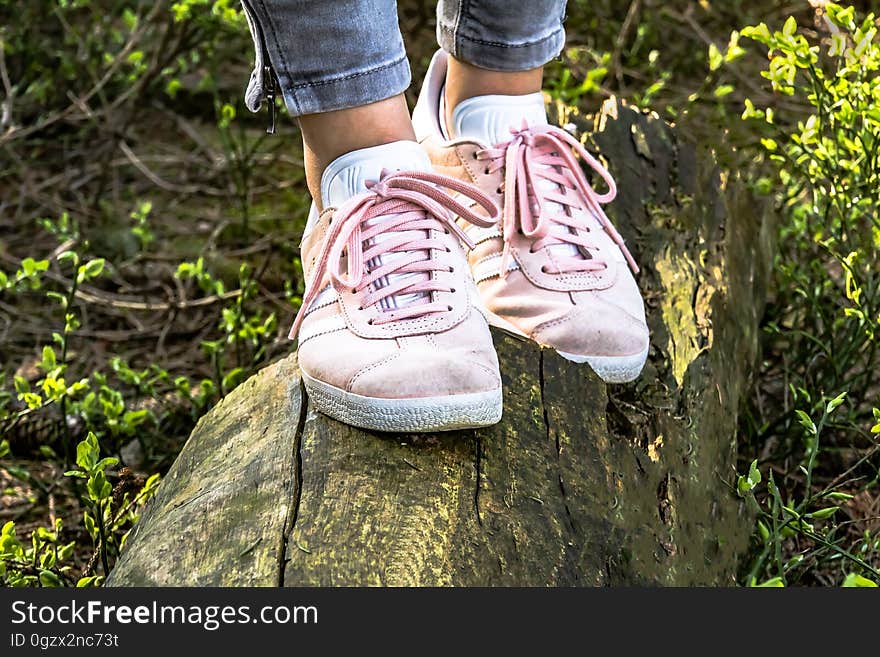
{"points": [[478, 467], [296, 482], [555, 438]]}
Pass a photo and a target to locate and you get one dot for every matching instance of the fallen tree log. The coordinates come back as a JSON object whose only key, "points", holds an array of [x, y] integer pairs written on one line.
{"points": [[580, 484]]}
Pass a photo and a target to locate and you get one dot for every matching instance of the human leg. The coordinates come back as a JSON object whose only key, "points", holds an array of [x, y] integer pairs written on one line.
{"points": [[389, 335], [556, 270]]}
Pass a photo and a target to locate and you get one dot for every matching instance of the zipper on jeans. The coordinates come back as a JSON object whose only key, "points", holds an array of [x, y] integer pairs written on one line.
{"points": [[269, 78], [269, 74]]}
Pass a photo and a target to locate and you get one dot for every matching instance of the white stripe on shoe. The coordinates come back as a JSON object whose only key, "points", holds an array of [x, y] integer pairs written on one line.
{"points": [[325, 297], [330, 324], [489, 267]]}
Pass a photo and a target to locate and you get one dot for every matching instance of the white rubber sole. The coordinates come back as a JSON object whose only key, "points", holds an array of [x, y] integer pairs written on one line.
{"points": [[611, 369], [419, 415]]}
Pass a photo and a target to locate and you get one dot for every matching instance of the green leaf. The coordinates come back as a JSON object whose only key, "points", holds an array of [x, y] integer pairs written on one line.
{"points": [[92, 269], [806, 422], [89, 523], [716, 59], [760, 33], [88, 582], [87, 452], [857, 581], [68, 255], [745, 484], [49, 579], [22, 387], [822, 514], [834, 403], [65, 552], [774, 583], [763, 531], [98, 487], [79, 474], [49, 361], [133, 419], [60, 298], [4, 448], [790, 26], [31, 267], [754, 474]]}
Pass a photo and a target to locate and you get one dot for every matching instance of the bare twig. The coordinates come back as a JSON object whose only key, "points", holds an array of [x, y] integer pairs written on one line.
{"points": [[156, 180], [6, 114], [118, 61], [631, 19], [99, 297]]}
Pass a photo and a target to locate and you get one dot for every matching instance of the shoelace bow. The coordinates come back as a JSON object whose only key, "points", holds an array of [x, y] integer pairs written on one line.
{"points": [[545, 153], [418, 204]]}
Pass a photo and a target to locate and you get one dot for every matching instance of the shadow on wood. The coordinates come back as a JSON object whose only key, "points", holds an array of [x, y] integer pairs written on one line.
{"points": [[580, 484]]}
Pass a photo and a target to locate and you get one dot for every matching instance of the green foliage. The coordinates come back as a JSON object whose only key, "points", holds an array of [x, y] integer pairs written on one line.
{"points": [[108, 48], [827, 307], [98, 378], [808, 518], [42, 561], [563, 83], [102, 239], [47, 560]]}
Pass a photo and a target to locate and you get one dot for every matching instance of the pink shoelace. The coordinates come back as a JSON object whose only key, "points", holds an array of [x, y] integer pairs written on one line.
{"points": [[410, 203], [546, 153]]}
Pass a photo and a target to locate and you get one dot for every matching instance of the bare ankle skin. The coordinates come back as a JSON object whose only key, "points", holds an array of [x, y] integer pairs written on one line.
{"points": [[465, 81], [328, 135]]}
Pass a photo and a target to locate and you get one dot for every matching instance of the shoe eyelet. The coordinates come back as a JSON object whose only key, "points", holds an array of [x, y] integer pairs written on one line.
{"points": [[544, 269], [446, 230], [452, 291], [448, 308], [486, 171], [476, 157], [448, 250], [498, 190], [370, 321]]}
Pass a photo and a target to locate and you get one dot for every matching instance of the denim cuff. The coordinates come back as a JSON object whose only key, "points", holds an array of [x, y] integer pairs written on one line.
{"points": [[346, 91], [496, 55]]}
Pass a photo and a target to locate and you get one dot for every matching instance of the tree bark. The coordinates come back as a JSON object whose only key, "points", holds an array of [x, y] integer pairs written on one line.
{"points": [[580, 484]]}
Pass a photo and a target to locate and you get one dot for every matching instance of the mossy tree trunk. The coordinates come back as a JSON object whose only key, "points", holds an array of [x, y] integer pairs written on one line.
{"points": [[580, 484]]}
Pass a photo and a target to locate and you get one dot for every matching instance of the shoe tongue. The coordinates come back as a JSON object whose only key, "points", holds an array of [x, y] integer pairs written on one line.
{"points": [[488, 119], [347, 175]]}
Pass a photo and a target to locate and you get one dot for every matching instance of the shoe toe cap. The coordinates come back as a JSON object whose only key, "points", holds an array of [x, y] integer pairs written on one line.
{"points": [[606, 331], [411, 374]]}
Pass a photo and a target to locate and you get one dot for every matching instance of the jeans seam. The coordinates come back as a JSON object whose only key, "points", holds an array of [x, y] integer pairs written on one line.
{"points": [[499, 44], [351, 76], [463, 10], [277, 45]]}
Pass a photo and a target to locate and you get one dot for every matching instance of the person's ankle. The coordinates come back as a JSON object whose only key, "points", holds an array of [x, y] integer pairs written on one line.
{"points": [[329, 135], [465, 81]]}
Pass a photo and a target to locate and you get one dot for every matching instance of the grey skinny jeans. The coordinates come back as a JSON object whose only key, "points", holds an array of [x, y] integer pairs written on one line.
{"points": [[324, 55]]}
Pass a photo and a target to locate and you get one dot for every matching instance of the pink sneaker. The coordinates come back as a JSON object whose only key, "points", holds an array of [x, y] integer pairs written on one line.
{"points": [[391, 335], [556, 270]]}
